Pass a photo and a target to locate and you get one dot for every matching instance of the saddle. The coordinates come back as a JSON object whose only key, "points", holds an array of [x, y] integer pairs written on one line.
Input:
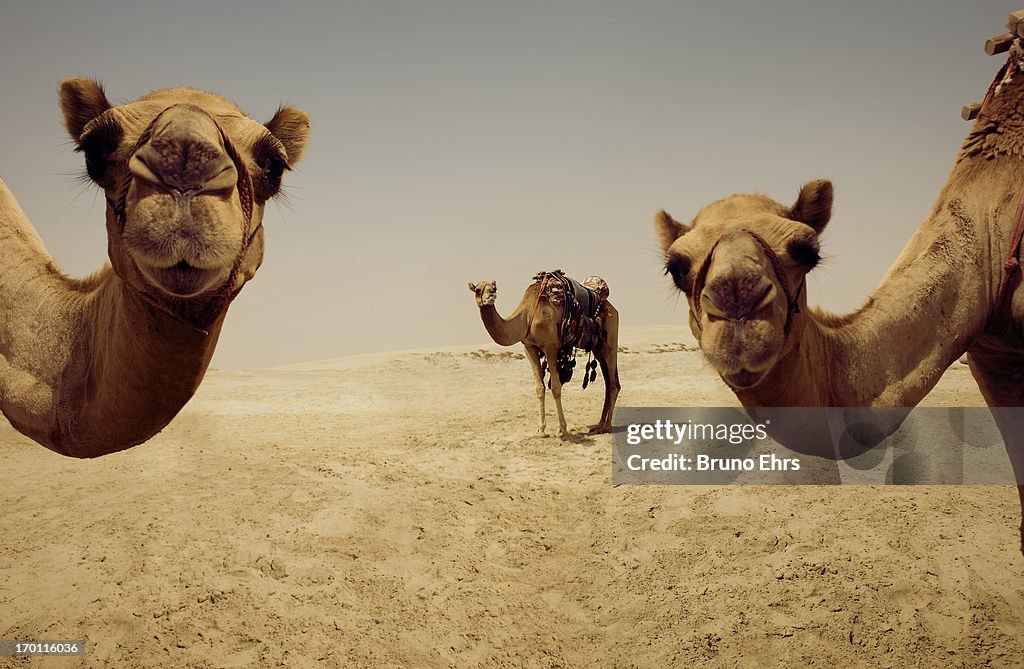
{"points": [[582, 324]]}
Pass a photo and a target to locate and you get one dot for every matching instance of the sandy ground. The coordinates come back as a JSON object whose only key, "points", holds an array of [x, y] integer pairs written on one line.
{"points": [[398, 511]]}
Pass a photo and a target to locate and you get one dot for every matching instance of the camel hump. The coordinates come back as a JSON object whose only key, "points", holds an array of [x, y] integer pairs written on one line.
{"points": [[586, 300]]}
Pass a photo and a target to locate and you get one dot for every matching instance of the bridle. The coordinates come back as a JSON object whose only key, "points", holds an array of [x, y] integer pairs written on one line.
{"points": [[247, 198], [792, 299]]}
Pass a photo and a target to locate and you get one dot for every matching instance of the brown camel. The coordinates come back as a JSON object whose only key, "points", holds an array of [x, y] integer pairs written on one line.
{"points": [[536, 323], [743, 260], [93, 366]]}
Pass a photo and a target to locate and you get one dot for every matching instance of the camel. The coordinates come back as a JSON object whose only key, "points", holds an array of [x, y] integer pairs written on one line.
{"points": [[742, 264], [93, 366], [536, 323]]}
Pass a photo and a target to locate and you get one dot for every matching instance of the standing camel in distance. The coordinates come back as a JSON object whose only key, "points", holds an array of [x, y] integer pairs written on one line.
{"points": [[539, 323]]}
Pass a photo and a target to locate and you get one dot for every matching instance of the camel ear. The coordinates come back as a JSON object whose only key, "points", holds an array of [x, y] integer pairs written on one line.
{"points": [[668, 229], [291, 126], [813, 206], [81, 100], [472, 288]]}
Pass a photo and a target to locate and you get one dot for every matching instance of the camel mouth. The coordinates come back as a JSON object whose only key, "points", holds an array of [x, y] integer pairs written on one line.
{"points": [[181, 280], [743, 379]]}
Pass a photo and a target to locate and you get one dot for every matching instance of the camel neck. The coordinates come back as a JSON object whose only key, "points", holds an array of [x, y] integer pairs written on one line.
{"points": [[931, 305], [144, 366], [86, 367], [504, 332]]}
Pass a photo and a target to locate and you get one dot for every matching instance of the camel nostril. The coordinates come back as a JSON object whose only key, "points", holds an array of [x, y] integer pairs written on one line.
{"points": [[181, 167], [737, 297], [184, 154]]}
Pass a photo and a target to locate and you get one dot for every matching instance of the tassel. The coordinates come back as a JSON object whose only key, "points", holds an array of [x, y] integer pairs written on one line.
{"points": [[590, 373]]}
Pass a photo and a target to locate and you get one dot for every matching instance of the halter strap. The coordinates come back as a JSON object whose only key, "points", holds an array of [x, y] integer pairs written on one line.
{"points": [[792, 299], [247, 198]]}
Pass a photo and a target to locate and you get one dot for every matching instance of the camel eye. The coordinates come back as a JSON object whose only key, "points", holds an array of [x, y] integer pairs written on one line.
{"points": [[273, 171], [678, 267], [804, 252], [271, 164], [99, 143]]}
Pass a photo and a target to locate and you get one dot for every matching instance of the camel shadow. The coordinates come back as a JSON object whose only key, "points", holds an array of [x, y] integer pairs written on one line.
{"points": [[579, 438]]}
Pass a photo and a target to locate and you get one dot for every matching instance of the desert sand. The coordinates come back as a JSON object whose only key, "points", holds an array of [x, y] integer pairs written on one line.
{"points": [[398, 510]]}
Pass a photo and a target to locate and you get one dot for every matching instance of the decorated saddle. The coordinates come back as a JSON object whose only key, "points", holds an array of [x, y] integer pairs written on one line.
{"points": [[582, 323]]}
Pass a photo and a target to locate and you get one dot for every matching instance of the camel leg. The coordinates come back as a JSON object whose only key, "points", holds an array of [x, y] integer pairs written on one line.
{"points": [[551, 353], [1000, 376], [607, 357], [533, 355]]}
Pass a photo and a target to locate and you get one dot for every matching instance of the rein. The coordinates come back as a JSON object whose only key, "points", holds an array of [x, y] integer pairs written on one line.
{"points": [[792, 300], [540, 295], [246, 196]]}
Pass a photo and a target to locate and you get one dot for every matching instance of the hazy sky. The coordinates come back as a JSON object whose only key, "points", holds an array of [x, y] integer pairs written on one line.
{"points": [[458, 141]]}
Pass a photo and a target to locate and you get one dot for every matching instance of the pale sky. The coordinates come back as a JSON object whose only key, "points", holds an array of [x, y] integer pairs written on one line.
{"points": [[462, 141]]}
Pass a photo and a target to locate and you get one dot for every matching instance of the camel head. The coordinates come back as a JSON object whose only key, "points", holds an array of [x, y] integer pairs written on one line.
{"points": [[486, 292], [186, 176], [742, 264]]}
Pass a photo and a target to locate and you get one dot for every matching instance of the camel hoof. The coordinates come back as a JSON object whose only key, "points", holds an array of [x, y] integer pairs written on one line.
{"points": [[600, 429]]}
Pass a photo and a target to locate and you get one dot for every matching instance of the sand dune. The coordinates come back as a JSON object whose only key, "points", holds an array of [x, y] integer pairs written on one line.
{"points": [[398, 510]]}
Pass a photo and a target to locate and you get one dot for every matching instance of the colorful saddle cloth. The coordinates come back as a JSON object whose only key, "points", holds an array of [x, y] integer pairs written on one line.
{"points": [[583, 301], [582, 323]]}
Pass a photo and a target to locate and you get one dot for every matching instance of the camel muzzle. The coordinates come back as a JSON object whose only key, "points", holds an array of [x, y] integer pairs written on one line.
{"points": [[185, 151], [701, 283]]}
